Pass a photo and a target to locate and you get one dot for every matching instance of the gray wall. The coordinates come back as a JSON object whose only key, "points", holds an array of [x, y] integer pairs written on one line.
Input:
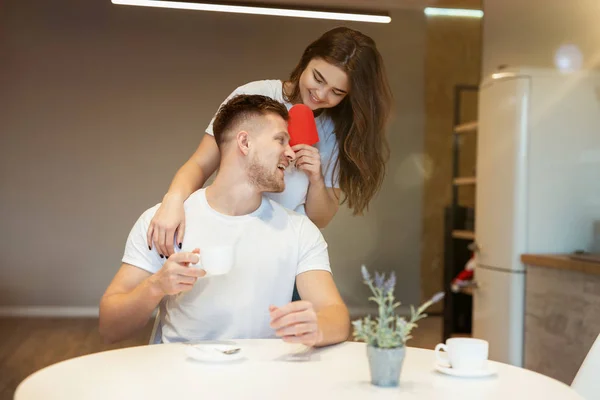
{"points": [[537, 30], [101, 104]]}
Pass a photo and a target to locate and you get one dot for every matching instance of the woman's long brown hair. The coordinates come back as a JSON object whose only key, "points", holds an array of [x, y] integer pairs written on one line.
{"points": [[361, 117]]}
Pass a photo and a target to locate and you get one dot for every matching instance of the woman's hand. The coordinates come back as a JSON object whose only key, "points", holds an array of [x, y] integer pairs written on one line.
{"points": [[308, 160], [168, 221]]}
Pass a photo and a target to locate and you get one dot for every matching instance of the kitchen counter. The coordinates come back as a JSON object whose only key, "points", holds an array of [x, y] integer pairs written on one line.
{"points": [[571, 262], [562, 299]]}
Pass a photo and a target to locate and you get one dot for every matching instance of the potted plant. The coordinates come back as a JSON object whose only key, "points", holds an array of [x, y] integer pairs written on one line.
{"points": [[387, 334]]}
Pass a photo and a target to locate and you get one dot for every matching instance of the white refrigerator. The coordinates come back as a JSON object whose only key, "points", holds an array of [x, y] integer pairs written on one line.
{"points": [[538, 189]]}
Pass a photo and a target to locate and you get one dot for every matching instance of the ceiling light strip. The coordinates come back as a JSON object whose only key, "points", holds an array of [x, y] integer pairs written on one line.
{"points": [[382, 19], [453, 12]]}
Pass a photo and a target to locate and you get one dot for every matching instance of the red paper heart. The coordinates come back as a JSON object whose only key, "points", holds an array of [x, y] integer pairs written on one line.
{"points": [[302, 126]]}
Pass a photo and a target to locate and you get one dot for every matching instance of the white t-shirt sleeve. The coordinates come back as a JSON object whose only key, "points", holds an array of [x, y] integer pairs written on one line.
{"points": [[312, 253], [264, 88], [136, 249], [329, 152], [331, 174]]}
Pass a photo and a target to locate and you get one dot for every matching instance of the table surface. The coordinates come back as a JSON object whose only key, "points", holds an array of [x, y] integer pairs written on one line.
{"points": [[336, 372]]}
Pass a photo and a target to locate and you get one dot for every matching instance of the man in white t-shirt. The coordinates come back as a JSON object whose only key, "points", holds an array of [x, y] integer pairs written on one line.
{"points": [[273, 246]]}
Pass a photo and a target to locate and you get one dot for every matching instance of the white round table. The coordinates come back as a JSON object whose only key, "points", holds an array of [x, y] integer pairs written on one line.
{"points": [[337, 372]]}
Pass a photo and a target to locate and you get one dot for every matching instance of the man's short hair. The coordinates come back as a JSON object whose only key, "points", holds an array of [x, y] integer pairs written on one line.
{"points": [[239, 109]]}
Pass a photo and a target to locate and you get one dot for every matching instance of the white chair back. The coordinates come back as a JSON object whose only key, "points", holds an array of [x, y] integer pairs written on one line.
{"points": [[587, 380]]}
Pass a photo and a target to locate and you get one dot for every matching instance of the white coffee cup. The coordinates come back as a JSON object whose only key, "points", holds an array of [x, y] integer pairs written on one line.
{"points": [[216, 260], [463, 353]]}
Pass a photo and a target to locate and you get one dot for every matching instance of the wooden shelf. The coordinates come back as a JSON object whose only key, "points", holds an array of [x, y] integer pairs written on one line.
{"points": [[467, 180], [466, 127], [468, 288], [458, 218], [460, 234], [461, 335]]}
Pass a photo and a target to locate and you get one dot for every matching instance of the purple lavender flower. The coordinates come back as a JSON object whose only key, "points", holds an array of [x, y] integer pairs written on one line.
{"points": [[437, 297], [365, 273], [379, 279], [389, 285]]}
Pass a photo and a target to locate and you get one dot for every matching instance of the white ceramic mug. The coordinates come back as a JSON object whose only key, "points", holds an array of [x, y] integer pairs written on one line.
{"points": [[463, 353], [216, 260]]}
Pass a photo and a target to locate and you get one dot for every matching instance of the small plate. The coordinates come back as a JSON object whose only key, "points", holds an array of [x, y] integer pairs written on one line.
{"points": [[212, 353], [489, 370]]}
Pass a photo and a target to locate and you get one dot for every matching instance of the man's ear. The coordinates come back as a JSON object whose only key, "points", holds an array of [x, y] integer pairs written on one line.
{"points": [[243, 142]]}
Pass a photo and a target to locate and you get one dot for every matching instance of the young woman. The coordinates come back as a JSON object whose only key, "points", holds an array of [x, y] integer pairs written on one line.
{"points": [[341, 77]]}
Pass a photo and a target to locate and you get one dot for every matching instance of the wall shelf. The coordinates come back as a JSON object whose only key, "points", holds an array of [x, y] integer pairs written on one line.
{"points": [[461, 234], [467, 180], [468, 288], [467, 127], [459, 223]]}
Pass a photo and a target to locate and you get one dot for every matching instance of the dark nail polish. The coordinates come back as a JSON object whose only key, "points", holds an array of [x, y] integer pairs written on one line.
{"points": [[179, 246], [161, 256], [149, 248]]}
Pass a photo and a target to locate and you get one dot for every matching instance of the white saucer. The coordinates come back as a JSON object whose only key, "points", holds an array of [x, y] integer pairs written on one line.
{"points": [[489, 370], [212, 352]]}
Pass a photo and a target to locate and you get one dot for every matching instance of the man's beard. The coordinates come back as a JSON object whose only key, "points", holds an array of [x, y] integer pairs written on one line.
{"points": [[263, 179]]}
